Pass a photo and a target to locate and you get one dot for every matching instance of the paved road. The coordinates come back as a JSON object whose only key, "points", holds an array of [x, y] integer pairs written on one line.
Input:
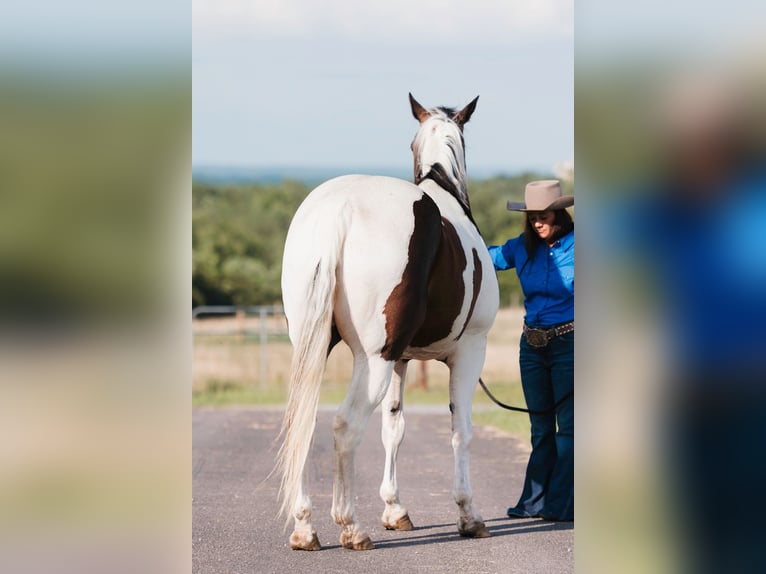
{"points": [[234, 505]]}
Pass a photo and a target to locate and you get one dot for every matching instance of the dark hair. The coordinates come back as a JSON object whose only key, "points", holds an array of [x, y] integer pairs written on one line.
{"points": [[562, 224]]}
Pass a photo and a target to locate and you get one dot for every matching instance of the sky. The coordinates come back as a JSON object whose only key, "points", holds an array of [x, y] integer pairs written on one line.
{"points": [[325, 84]]}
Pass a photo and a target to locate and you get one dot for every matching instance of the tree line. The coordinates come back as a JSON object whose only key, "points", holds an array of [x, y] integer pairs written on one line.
{"points": [[238, 234]]}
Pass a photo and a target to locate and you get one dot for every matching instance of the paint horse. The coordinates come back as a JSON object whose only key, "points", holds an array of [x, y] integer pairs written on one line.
{"points": [[397, 271]]}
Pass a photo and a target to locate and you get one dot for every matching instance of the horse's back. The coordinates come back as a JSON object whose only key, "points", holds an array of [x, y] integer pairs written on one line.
{"points": [[351, 203], [356, 190]]}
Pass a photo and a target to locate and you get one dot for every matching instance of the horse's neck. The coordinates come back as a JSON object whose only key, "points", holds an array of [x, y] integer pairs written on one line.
{"points": [[445, 179], [449, 206]]}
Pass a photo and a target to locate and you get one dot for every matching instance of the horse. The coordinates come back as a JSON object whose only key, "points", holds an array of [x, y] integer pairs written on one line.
{"points": [[398, 271]]}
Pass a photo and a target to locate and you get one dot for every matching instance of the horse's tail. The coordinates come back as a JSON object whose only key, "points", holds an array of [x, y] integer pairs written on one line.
{"points": [[310, 351]]}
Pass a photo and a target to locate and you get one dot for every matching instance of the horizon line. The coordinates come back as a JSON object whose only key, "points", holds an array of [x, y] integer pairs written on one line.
{"points": [[328, 167]]}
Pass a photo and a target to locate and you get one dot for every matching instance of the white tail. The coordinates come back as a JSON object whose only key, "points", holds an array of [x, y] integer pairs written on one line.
{"points": [[308, 365]]}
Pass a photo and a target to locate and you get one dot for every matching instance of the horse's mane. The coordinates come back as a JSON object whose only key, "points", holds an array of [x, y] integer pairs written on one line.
{"points": [[446, 167]]}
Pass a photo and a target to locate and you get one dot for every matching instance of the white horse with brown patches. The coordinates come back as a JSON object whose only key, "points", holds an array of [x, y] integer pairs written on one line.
{"points": [[397, 271]]}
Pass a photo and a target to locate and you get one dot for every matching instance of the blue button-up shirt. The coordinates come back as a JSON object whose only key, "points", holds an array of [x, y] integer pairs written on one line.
{"points": [[547, 279]]}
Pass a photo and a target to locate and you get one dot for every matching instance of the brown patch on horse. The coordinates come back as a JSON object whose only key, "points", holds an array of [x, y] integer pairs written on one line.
{"points": [[423, 307], [461, 118], [446, 289], [474, 530], [297, 542], [477, 275], [356, 541], [451, 185], [403, 523], [418, 112], [405, 308]]}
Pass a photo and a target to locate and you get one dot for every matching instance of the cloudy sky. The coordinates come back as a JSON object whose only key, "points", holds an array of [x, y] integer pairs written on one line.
{"points": [[309, 83]]}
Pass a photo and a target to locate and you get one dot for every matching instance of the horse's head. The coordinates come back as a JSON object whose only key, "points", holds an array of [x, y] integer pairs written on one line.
{"points": [[439, 148]]}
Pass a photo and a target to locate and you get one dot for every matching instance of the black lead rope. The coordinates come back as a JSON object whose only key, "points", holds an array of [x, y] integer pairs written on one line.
{"points": [[519, 409]]}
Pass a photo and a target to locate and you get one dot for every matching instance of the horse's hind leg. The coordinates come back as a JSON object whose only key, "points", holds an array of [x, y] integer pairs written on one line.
{"points": [[465, 369], [304, 537], [395, 516], [369, 383]]}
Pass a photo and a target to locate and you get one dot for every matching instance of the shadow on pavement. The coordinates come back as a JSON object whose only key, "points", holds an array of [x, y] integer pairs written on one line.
{"points": [[504, 527]]}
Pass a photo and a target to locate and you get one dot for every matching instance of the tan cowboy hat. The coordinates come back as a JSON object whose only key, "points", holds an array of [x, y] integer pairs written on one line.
{"points": [[542, 196]]}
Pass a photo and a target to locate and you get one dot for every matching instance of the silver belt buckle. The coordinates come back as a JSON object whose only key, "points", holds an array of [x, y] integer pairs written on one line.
{"points": [[537, 338]]}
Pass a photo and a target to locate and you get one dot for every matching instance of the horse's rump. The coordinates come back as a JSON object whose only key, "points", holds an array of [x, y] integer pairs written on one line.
{"points": [[387, 233]]}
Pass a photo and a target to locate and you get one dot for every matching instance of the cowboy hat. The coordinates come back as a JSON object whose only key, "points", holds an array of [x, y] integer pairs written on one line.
{"points": [[542, 196]]}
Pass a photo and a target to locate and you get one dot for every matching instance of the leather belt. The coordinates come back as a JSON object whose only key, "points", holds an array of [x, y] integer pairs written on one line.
{"points": [[540, 338]]}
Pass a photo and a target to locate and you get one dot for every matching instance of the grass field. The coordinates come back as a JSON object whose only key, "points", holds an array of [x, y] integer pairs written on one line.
{"points": [[228, 368]]}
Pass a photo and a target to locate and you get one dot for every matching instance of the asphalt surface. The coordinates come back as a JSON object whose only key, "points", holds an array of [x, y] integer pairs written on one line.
{"points": [[236, 531]]}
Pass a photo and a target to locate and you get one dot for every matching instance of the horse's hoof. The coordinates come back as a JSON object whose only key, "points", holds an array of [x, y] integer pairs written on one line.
{"points": [[358, 541], [477, 530], [403, 523], [299, 542]]}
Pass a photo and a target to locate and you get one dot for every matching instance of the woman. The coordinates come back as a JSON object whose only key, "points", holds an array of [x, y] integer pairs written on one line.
{"points": [[543, 256]]}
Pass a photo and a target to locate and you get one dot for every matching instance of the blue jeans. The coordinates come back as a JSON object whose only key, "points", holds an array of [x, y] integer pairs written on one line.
{"points": [[547, 374]]}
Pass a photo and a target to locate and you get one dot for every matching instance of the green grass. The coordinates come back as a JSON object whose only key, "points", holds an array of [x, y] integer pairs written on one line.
{"points": [[225, 393], [516, 424], [488, 413]]}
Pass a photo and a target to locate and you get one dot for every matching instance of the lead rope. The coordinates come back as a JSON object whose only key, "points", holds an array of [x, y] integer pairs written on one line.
{"points": [[519, 409]]}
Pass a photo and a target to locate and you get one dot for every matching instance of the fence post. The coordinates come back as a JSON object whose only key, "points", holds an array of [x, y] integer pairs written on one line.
{"points": [[264, 339], [422, 375], [240, 315]]}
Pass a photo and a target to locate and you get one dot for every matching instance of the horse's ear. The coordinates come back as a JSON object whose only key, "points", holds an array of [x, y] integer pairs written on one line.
{"points": [[418, 111], [461, 118]]}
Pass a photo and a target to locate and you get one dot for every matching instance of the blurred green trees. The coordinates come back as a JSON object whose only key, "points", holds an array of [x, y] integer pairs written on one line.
{"points": [[239, 232]]}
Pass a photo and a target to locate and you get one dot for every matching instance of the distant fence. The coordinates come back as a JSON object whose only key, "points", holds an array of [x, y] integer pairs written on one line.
{"points": [[267, 323], [260, 310], [248, 344], [265, 327]]}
